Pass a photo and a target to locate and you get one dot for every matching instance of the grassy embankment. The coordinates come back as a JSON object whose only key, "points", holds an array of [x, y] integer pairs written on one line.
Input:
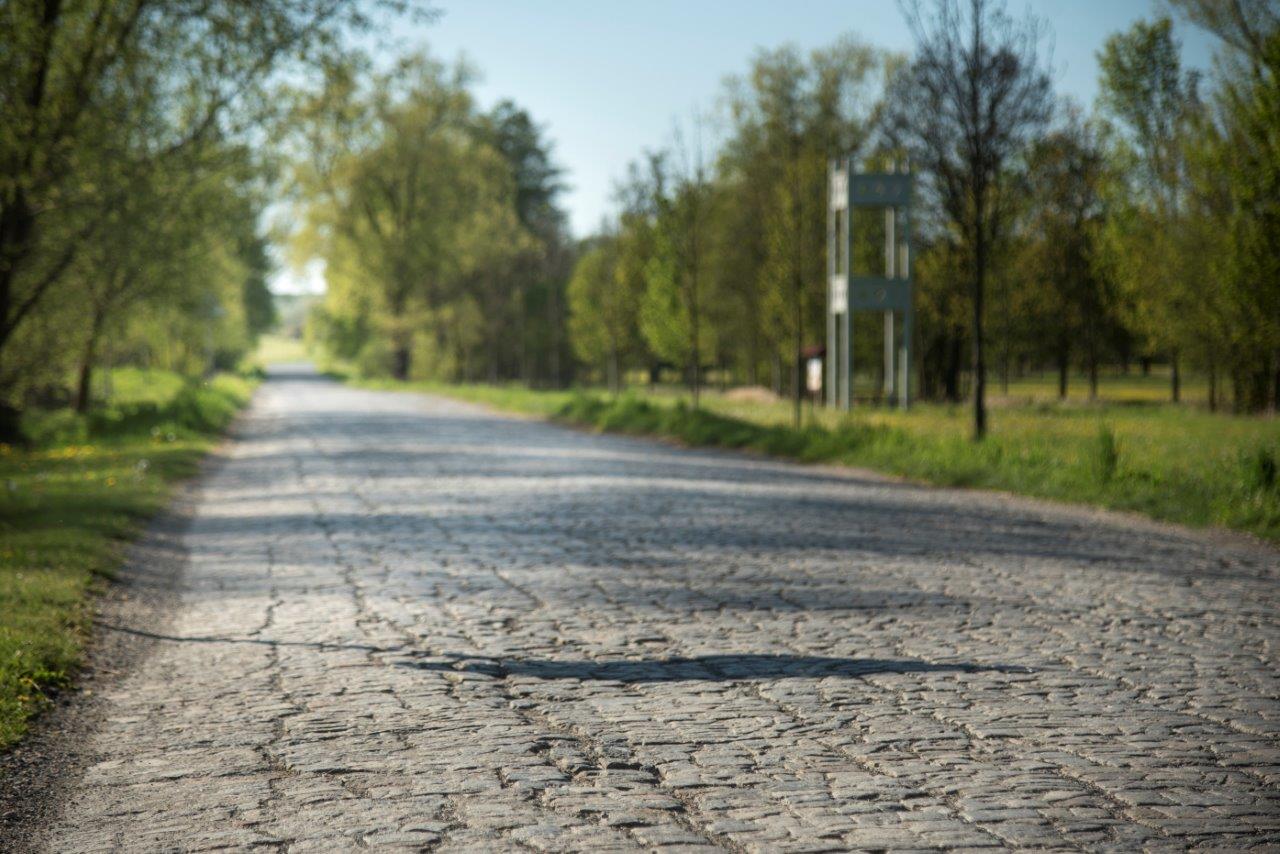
{"points": [[72, 499], [1126, 452]]}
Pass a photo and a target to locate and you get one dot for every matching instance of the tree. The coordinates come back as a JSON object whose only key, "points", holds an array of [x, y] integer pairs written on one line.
{"points": [[1148, 101], [536, 279], [964, 109], [1237, 162], [442, 244], [177, 231], [604, 310], [396, 194], [789, 116], [1067, 286], [1244, 26], [673, 310], [135, 81]]}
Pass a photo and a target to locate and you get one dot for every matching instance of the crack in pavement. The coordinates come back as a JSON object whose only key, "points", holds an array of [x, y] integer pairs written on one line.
{"points": [[410, 624]]}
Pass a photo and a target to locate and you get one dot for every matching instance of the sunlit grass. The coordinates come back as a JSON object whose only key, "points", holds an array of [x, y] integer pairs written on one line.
{"points": [[68, 506], [276, 349], [510, 398]]}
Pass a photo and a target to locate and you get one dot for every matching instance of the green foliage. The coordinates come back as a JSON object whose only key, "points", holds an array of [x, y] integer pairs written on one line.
{"points": [[1193, 234], [125, 207], [603, 309], [69, 503], [665, 317], [435, 221]]}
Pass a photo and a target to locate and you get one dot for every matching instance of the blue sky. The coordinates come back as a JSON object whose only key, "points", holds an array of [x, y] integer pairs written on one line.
{"points": [[607, 79]]}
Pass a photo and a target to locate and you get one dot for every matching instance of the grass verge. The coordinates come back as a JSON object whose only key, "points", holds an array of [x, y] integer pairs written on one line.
{"points": [[1173, 463], [71, 501]]}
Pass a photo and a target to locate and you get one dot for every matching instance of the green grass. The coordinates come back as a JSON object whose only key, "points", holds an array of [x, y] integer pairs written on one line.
{"points": [[1176, 463], [71, 501], [274, 349], [510, 398]]}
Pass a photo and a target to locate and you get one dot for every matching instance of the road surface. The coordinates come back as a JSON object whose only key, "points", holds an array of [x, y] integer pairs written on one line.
{"points": [[412, 623]]}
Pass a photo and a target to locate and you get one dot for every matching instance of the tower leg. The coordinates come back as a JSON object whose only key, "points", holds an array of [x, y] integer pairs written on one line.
{"points": [[890, 348], [904, 364]]}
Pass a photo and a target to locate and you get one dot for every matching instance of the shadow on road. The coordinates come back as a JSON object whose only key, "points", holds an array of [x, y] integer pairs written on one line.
{"points": [[705, 668], [702, 668]]}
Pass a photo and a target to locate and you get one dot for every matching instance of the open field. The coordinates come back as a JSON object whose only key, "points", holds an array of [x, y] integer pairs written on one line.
{"points": [[1175, 463], [70, 502], [275, 348]]}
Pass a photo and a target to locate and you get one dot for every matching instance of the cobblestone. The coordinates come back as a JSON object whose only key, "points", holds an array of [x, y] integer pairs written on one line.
{"points": [[408, 623]]}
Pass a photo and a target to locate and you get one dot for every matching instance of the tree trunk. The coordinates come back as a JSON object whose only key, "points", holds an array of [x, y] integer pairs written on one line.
{"points": [[1275, 383], [951, 380], [1175, 378], [84, 384], [1064, 365], [1213, 387], [1093, 373], [400, 359], [16, 224], [612, 371], [11, 425], [979, 362], [797, 271], [695, 372]]}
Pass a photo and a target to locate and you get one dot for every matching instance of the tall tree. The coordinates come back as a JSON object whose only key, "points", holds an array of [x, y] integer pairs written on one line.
{"points": [[537, 277], [1060, 268], [1237, 159], [1148, 101], [788, 117], [673, 311], [604, 310], [965, 107]]}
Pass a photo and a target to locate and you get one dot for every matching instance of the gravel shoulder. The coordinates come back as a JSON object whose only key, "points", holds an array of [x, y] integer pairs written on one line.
{"points": [[144, 594]]}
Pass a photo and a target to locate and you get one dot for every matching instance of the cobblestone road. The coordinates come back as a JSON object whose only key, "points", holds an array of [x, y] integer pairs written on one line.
{"points": [[411, 623]]}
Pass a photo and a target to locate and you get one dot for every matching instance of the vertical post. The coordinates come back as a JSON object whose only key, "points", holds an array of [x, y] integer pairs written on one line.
{"points": [[846, 343], [908, 315], [904, 381], [890, 272], [832, 261]]}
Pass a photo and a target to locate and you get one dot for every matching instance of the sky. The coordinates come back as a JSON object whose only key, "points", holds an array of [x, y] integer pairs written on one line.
{"points": [[608, 79]]}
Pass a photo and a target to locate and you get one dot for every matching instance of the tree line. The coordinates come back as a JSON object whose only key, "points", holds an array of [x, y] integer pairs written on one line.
{"points": [[135, 167], [445, 254], [1047, 235], [144, 141]]}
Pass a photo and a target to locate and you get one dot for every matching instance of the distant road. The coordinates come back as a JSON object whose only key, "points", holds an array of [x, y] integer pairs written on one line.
{"points": [[411, 622]]}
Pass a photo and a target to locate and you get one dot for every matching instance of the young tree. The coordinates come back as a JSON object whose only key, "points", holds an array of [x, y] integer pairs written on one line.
{"points": [[537, 276], [1233, 156], [393, 186], [1069, 302], [603, 310], [972, 97], [789, 116], [1148, 101], [673, 310]]}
